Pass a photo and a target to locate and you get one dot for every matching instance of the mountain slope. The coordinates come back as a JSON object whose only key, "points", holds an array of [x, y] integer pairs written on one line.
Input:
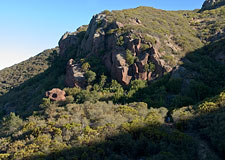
{"points": [[138, 78], [17, 74], [23, 84]]}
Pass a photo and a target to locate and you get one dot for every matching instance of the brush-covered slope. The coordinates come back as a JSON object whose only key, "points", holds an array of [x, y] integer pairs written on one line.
{"points": [[144, 84], [23, 85], [19, 73], [106, 130]]}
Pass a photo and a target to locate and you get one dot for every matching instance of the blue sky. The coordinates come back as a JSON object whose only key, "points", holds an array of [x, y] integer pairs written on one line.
{"points": [[27, 27]]}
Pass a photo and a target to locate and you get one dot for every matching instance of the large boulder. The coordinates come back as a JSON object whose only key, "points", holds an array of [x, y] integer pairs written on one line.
{"points": [[56, 94]]}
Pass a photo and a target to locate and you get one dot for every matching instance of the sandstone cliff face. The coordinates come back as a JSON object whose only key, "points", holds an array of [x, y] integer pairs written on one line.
{"points": [[102, 40]]}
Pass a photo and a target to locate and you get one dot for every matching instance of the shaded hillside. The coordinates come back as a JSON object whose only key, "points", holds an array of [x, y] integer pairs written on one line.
{"points": [[136, 78], [95, 131], [105, 130], [35, 75], [17, 74]]}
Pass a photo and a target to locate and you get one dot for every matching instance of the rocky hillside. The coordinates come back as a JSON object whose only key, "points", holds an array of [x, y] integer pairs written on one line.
{"points": [[212, 4], [142, 43], [131, 78]]}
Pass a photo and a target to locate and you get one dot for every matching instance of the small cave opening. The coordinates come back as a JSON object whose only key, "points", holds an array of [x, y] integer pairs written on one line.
{"points": [[54, 95]]}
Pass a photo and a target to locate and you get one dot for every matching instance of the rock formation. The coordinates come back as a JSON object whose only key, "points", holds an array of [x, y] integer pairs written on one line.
{"points": [[210, 4], [112, 49], [70, 39], [56, 95], [74, 75]]}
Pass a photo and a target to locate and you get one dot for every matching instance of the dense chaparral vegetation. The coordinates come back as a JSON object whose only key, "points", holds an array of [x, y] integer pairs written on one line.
{"points": [[178, 116]]}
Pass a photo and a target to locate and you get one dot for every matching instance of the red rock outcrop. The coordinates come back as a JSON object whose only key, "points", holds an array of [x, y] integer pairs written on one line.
{"points": [[70, 39], [56, 94], [74, 75], [100, 42]]}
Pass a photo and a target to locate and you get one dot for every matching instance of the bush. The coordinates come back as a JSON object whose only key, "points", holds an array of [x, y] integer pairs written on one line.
{"points": [[120, 41], [150, 67], [10, 124], [69, 99], [90, 76], [72, 91], [144, 47], [129, 57], [183, 114], [208, 107], [85, 66], [102, 81]]}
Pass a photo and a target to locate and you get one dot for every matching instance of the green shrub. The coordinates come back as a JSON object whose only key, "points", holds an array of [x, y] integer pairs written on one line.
{"points": [[144, 47], [106, 12], [149, 67], [120, 41], [69, 99], [129, 57], [90, 76], [46, 102], [208, 107], [10, 124], [85, 67], [72, 91], [102, 81]]}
